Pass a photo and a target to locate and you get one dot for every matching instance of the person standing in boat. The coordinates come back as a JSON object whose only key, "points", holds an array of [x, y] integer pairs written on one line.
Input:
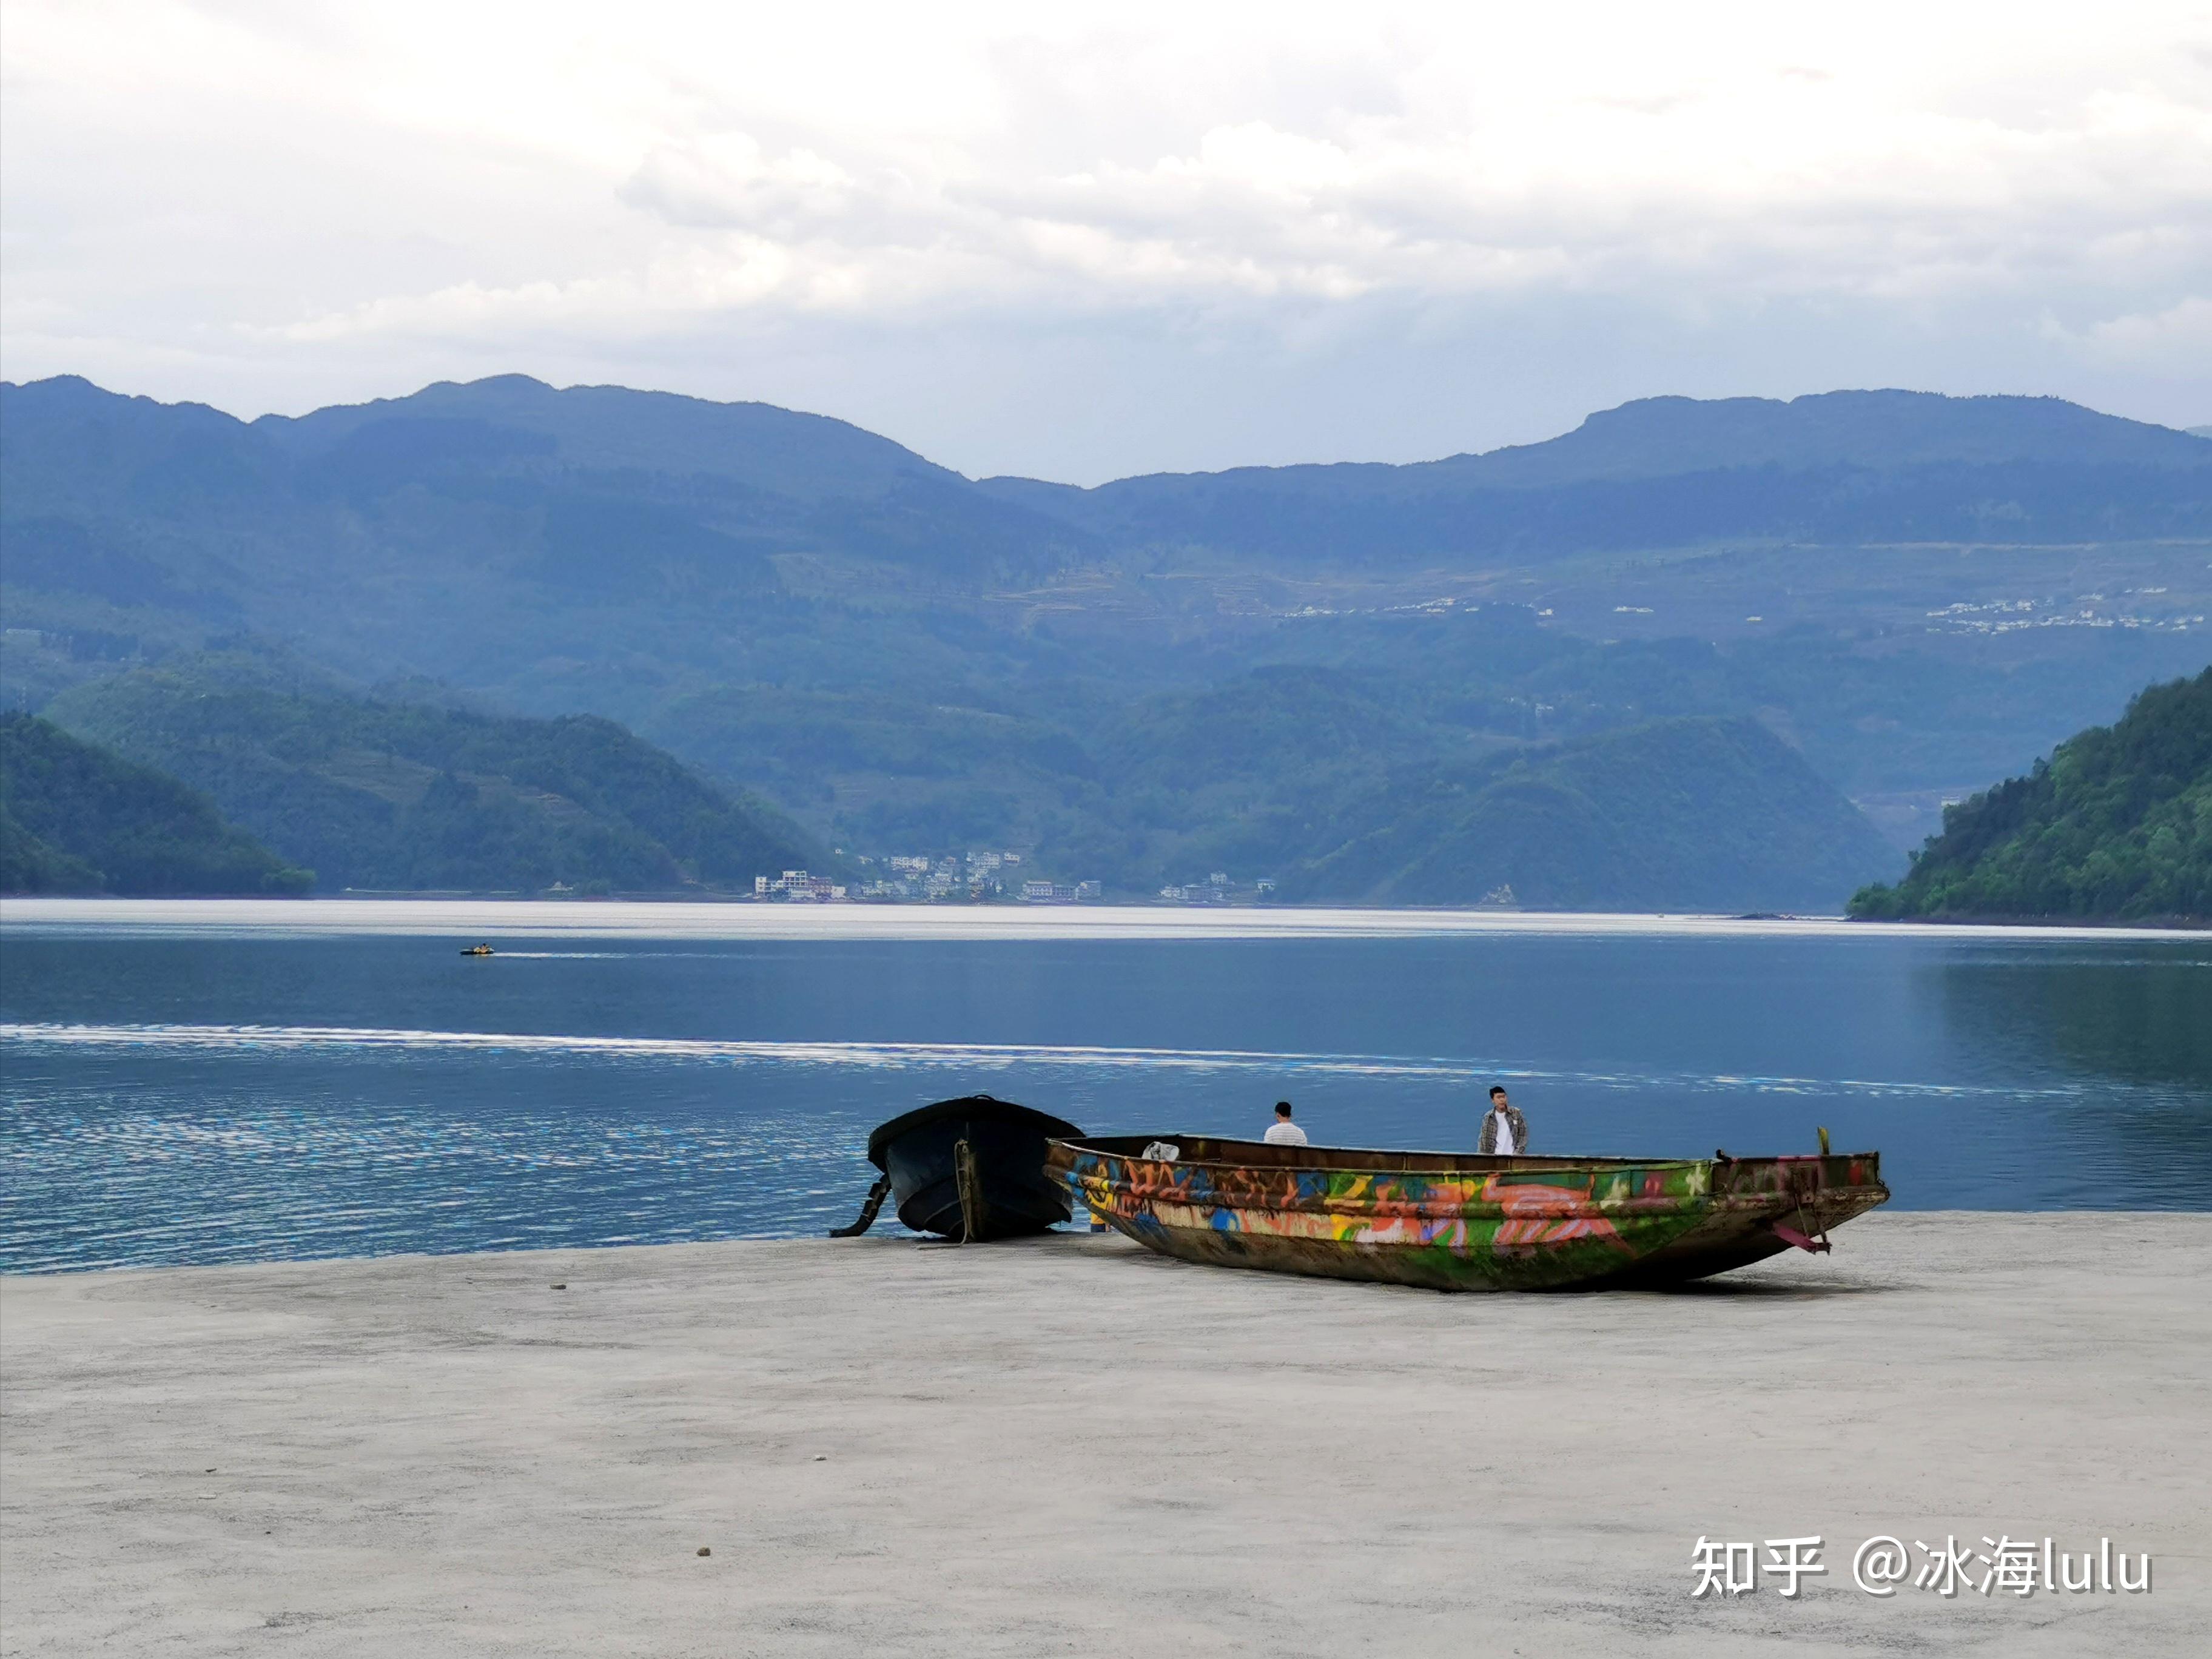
{"points": [[1282, 1132], [1504, 1131]]}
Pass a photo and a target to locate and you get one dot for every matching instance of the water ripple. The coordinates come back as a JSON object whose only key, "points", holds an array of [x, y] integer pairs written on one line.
{"points": [[247, 1039]]}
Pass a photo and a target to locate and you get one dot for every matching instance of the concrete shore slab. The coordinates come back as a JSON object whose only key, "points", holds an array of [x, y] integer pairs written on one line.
{"points": [[1071, 1446]]}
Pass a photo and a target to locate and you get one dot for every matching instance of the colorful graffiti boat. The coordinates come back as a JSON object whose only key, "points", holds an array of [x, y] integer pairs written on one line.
{"points": [[1461, 1221]]}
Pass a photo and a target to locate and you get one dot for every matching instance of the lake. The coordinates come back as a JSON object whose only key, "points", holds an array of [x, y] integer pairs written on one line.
{"points": [[203, 1082]]}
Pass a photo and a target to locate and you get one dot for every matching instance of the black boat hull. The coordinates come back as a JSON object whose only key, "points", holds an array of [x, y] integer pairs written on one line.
{"points": [[1009, 1189]]}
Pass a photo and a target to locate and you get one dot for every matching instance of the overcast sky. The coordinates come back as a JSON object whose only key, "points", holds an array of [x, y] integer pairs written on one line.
{"points": [[1078, 241]]}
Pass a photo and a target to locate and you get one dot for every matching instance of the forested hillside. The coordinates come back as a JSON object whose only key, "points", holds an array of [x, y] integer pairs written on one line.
{"points": [[2116, 824], [1680, 815], [74, 819], [1156, 782], [388, 795]]}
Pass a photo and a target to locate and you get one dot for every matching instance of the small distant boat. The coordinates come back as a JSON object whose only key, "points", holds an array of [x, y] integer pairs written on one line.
{"points": [[1462, 1221], [969, 1169], [477, 950]]}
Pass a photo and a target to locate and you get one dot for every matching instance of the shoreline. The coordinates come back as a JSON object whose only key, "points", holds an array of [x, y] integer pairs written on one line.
{"points": [[1070, 1445], [708, 919]]}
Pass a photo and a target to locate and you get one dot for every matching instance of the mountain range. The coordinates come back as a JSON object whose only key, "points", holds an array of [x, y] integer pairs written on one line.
{"points": [[597, 498], [1914, 594]]}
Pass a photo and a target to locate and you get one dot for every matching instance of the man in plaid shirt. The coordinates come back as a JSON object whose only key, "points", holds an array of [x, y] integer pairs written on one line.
{"points": [[1504, 1131]]}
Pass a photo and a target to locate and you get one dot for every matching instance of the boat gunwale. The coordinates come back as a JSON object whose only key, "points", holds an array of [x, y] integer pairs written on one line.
{"points": [[1824, 1199], [1831, 1202], [1448, 1163], [1239, 1188]]}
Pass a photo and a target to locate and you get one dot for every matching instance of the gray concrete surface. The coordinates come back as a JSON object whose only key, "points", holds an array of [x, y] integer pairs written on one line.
{"points": [[1069, 1447]]}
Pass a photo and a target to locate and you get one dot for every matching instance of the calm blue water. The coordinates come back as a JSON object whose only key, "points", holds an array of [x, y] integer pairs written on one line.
{"points": [[224, 1088]]}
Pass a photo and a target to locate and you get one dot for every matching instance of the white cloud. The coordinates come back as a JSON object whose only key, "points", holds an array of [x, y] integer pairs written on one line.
{"points": [[296, 197], [2176, 343]]}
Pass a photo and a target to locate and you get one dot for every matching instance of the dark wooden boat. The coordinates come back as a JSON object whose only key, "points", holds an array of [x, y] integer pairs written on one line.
{"points": [[971, 1170], [1460, 1221]]}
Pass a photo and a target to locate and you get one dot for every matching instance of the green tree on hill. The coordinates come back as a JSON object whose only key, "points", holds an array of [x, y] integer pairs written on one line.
{"points": [[2116, 824], [1689, 814], [74, 819], [412, 796]]}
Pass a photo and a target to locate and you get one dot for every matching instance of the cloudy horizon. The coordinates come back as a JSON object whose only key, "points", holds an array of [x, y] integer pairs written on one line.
{"points": [[1114, 241]]}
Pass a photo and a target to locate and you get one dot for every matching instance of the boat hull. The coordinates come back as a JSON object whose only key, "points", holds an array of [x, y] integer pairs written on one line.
{"points": [[1006, 1147], [1453, 1222]]}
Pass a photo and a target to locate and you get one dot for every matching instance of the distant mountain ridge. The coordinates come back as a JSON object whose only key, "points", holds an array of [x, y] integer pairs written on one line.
{"points": [[1829, 466], [1660, 437], [487, 470], [481, 534], [779, 451], [1656, 437], [591, 494]]}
